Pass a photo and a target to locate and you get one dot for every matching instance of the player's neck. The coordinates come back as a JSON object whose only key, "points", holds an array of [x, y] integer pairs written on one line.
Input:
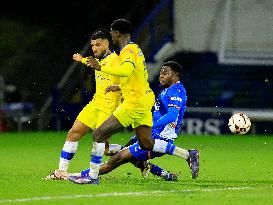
{"points": [[124, 42], [107, 52], [174, 81]]}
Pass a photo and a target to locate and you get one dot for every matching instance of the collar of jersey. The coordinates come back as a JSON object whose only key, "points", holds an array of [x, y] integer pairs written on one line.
{"points": [[106, 55], [175, 83], [118, 52]]}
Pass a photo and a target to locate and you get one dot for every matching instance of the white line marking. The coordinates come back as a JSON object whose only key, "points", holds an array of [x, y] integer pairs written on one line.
{"points": [[144, 193]]}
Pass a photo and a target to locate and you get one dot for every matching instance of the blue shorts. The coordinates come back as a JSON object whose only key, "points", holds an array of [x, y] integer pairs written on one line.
{"points": [[142, 155]]}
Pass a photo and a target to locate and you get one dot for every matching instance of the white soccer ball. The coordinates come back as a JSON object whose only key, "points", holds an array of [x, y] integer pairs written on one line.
{"points": [[239, 123]]}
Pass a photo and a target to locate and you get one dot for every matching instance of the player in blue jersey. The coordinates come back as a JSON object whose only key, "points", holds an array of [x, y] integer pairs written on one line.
{"points": [[167, 119]]}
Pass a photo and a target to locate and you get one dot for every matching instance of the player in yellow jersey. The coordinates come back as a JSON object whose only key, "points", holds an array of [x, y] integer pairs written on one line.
{"points": [[99, 109], [138, 98]]}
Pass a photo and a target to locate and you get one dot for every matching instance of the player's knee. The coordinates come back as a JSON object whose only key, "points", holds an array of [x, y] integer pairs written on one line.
{"points": [[147, 145]]}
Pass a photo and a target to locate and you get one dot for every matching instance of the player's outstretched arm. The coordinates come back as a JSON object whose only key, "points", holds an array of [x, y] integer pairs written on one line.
{"points": [[124, 70]]}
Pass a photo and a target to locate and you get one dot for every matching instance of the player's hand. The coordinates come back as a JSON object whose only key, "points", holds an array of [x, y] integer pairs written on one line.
{"points": [[77, 57], [112, 88], [92, 62]]}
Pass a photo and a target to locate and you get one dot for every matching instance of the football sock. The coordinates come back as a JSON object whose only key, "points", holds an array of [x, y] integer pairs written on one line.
{"points": [[177, 151], [162, 146], [113, 148], [68, 152], [156, 170], [96, 159], [180, 152]]}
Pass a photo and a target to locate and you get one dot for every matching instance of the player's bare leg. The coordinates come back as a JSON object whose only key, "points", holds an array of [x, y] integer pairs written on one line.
{"points": [[77, 131], [144, 137], [115, 161], [122, 157], [109, 127]]}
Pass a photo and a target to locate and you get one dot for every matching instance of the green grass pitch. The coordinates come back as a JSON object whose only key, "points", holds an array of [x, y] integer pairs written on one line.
{"points": [[234, 170]]}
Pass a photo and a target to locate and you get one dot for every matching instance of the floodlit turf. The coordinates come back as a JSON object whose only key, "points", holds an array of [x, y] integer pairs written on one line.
{"points": [[234, 170]]}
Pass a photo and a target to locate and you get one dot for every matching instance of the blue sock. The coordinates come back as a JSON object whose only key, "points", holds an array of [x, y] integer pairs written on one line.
{"points": [[170, 148], [156, 170]]}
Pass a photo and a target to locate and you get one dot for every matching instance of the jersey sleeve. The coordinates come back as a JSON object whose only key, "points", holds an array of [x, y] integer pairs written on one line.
{"points": [[84, 60], [124, 70], [170, 117], [127, 65]]}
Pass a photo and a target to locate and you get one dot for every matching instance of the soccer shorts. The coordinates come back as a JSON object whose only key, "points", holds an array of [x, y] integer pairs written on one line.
{"points": [[142, 155], [128, 114], [91, 116]]}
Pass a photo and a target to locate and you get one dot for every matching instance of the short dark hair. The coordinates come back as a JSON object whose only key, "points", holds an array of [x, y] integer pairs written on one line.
{"points": [[174, 66], [122, 25], [100, 34]]}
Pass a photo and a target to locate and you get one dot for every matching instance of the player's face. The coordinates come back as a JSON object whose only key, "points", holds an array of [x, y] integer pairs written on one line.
{"points": [[166, 76], [99, 47], [115, 37]]}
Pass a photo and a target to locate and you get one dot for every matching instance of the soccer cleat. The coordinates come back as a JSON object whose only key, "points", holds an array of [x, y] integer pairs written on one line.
{"points": [[74, 176], [170, 177], [193, 162], [84, 180], [57, 175], [146, 171]]}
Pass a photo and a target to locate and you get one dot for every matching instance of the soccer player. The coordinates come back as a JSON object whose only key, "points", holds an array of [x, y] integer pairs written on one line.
{"points": [[167, 117], [99, 109], [138, 97]]}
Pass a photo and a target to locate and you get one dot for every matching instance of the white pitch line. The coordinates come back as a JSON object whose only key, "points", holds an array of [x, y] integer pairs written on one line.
{"points": [[145, 193]]}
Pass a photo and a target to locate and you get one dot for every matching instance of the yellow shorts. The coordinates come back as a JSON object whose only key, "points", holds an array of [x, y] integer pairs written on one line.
{"points": [[128, 114], [91, 116]]}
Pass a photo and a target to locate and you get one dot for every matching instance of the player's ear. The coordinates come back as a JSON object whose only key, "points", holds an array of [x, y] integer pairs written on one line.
{"points": [[118, 34], [107, 43]]}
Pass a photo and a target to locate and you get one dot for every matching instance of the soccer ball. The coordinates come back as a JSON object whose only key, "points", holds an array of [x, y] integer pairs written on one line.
{"points": [[239, 123]]}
